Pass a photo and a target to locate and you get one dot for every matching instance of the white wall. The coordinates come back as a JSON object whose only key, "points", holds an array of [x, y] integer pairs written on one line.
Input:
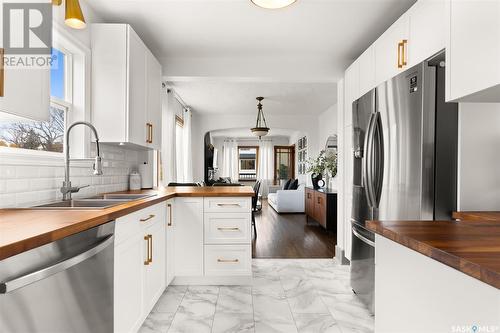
{"points": [[479, 156], [202, 124]]}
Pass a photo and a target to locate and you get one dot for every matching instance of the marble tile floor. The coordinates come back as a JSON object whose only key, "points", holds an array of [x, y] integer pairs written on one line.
{"points": [[286, 295]]}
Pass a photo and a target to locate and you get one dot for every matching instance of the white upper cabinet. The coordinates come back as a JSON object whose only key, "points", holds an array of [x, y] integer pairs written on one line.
{"points": [[473, 51], [351, 84], [391, 50], [26, 92], [427, 30], [366, 70], [126, 87]]}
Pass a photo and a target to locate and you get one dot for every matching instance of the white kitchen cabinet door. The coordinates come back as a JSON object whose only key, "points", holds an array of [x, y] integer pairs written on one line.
{"points": [[154, 272], [351, 83], [188, 217], [26, 93], [427, 30], [153, 100], [366, 70], [473, 51], [390, 57], [128, 282], [169, 246], [348, 181], [137, 90]]}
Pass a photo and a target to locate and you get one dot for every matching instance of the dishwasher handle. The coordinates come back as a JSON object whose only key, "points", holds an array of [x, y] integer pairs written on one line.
{"points": [[22, 281]]}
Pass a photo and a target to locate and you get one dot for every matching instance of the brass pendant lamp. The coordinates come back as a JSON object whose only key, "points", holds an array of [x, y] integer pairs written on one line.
{"points": [[73, 14], [260, 128]]}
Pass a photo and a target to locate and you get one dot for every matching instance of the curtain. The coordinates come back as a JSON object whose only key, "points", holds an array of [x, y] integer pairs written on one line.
{"points": [[187, 147], [265, 171], [230, 160], [168, 145]]}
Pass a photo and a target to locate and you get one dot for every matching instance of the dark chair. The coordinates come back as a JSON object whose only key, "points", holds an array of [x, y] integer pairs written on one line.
{"points": [[183, 184], [255, 199]]}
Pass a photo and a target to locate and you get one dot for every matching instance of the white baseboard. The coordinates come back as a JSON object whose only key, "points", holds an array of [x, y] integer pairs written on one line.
{"points": [[212, 280]]}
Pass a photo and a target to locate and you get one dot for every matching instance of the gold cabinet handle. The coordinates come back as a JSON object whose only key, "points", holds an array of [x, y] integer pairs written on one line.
{"points": [[404, 56], [227, 260], [400, 65], [228, 228], [170, 215], [146, 238], [151, 248], [228, 204], [2, 73], [147, 218], [150, 133]]}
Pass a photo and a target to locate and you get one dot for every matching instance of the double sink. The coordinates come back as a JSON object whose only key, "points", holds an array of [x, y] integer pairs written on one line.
{"points": [[96, 202]]}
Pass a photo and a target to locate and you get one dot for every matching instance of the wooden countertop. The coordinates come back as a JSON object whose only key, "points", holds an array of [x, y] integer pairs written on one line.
{"points": [[477, 216], [472, 247], [22, 229]]}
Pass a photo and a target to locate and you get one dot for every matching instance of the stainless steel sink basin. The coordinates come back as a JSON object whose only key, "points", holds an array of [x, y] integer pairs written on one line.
{"points": [[82, 204], [97, 202], [122, 196]]}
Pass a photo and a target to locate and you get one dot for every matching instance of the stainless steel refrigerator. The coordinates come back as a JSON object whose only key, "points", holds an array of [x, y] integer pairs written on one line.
{"points": [[404, 165]]}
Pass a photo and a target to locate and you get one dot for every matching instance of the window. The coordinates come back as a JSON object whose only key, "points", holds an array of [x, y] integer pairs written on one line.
{"points": [[17, 132], [248, 158], [284, 163], [179, 146]]}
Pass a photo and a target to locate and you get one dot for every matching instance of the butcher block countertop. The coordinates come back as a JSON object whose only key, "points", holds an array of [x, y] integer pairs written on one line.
{"points": [[472, 247], [22, 229], [477, 216]]}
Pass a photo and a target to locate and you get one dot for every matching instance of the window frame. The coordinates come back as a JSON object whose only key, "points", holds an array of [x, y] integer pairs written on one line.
{"points": [[256, 162], [291, 148]]}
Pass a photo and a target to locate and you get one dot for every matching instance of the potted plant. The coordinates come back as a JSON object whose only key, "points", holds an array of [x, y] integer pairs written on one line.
{"points": [[324, 164], [283, 173]]}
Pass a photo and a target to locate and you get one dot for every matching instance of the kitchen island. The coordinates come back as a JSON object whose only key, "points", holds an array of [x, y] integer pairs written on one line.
{"points": [[437, 276]]}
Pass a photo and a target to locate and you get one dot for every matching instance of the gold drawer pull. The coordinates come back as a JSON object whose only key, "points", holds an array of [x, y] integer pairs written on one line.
{"points": [[146, 238], [404, 56], [169, 215], [228, 260], [147, 218], [228, 228], [151, 247], [228, 204]]}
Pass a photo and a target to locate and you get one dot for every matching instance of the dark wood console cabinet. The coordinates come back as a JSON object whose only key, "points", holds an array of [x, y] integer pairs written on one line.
{"points": [[321, 206]]}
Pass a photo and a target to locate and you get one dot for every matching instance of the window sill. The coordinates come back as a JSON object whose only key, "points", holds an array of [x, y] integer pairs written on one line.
{"points": [[18, 156]]}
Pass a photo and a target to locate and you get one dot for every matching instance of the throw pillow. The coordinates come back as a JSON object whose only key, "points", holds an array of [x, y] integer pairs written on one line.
{"points": [[294, 185], [287, 184]]}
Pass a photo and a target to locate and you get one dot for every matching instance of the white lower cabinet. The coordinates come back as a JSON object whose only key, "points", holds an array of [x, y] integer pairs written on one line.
{"points": [[128, 285], [170, 246], [188, 216], [228, 260], [139, 267]]}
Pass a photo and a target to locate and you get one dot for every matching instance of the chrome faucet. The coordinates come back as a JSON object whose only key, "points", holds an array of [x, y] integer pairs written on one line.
{"points": [[67, 189]]}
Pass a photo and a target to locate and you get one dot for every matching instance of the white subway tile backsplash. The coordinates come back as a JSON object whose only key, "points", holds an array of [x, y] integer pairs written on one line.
{"points": [[30, 183]]}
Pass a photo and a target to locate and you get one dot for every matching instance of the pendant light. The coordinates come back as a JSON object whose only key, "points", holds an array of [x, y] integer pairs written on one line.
{"points": [[273, 4], [260, 128], [74, 16]]}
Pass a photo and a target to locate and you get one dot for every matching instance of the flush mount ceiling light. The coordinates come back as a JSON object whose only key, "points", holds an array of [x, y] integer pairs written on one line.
{"points": [[74, 16], [273, 4], [260, 128]]}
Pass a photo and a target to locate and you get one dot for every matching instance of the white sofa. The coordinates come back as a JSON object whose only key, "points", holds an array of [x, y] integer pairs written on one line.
{"points": [[288, 201]]}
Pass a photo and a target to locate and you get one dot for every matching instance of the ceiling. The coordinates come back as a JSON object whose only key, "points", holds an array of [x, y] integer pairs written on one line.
{"points": [[280, 98], [233, 51]]}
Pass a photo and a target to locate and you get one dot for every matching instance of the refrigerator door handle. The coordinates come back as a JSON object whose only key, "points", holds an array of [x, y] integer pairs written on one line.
{"points": [[377, 160], [367, 161]]}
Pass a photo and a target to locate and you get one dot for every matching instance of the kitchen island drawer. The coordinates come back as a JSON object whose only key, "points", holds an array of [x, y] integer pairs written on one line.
{"points": [[227, 228], [228, 260], [228, 205]]}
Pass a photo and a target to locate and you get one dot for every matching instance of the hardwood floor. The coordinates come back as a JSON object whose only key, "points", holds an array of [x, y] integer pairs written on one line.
{"points": [[288, 236]]}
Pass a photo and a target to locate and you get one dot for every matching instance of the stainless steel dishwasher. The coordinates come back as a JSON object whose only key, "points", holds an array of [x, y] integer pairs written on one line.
{"points": [[64, 286]]}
